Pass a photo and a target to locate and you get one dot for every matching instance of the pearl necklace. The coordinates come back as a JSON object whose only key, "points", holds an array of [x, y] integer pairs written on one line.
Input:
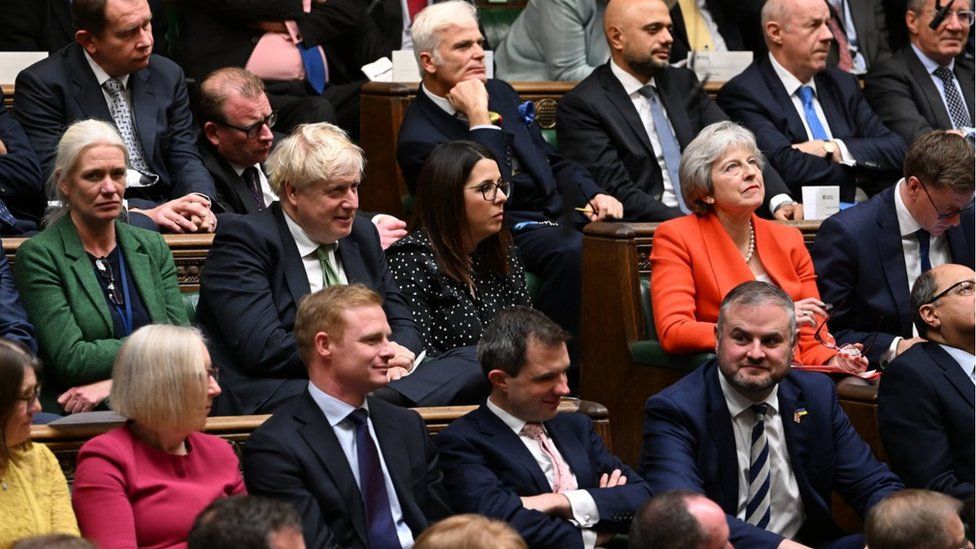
{"points": [[752, 244]]}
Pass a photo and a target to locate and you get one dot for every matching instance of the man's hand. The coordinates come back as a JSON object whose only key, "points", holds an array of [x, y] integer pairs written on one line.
{"points": [[790, 544], [187, 214], [607, 208], [85, 398], [556, 505], [270, 26], [906, 344], [470, 98], [390, 228], [814, 147], [612, 480], [396, 373], [3, 147], [403, 358], [788, 212]]}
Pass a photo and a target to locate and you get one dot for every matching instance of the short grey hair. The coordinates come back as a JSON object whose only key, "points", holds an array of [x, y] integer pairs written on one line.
{"points": [[427, 29], [695, 172], [78, 138], [911, 519], [774, 10], [754, 293], [313, 153], [923, 290]]}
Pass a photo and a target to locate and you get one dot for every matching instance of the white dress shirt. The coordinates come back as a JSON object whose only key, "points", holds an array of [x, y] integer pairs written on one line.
{"points": [[786, 514], [336, 412], [307, 248], [101, 77], [266, 193], [581, 503], [965, 360], [930, 67]]}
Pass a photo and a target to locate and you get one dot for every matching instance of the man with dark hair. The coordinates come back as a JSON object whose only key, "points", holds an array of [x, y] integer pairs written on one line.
{"points": [[925, 403], [868, 257], [928, 84], [766, 443], [247, 522], [360, 471], [679, 519], [916, 519], [549, 475], [111, 74]]}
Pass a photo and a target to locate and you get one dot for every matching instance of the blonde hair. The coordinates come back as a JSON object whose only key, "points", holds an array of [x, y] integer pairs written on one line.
{"points": [[322, 312], [470, 531], [158, 377], [313, 153], [78, 138]]}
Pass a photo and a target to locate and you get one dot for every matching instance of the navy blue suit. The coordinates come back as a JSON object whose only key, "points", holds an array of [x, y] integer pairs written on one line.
{"points": [[487, 469], [927, 420], [250, 288], [13, 318], [295, 456], [757, 100], [689, 443], [545, 187], [861, 269], [62, 89], [21, 185]]}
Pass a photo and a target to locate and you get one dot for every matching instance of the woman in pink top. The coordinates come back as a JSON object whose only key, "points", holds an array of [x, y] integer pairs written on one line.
{"points": [[142, 484]]}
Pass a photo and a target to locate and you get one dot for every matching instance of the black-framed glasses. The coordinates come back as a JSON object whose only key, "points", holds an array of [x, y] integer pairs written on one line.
{"points": [[105, 272], [33, 395], [965, 288], [489, 189], [825, 338], [254, 130], [965, 17], [968, 206]]}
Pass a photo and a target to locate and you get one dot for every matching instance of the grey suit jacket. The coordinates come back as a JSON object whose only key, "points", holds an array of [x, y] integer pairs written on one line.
{"points": [[872, 32]]}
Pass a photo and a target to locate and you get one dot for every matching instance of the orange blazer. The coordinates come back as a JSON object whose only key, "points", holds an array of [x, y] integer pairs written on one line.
{"points": [[694, 264]]}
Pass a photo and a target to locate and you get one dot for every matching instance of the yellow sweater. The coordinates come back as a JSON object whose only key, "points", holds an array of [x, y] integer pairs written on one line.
{"points": [[34, 498]]}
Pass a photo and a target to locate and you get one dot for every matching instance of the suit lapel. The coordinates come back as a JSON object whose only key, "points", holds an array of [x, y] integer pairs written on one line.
{"points": [[82, 268], [892, 257], [957, 245], [292, 266], [797, 133], [621, 101], [511, 445], [930, 93], [964, 74], [142, 272], [87, 92], [352, 262], [143, 105], [728, 267], [791, 401], [674, 105], [398, 465], [719, 423], [833, 106], [951, 370], [573, 452]]}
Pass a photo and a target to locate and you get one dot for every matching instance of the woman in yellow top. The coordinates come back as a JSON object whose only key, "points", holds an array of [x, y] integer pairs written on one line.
{"points": [[34, 496]]}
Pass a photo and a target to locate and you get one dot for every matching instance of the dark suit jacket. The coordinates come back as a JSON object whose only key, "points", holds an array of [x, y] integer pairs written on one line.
{"points": [[13, 319], [21, 185], [861, 269], [232, 192], [599, 127], [872, 31], [927, 420], [902, 93], [295, 456], [725, 18], [250, 288], [689, 443], [62, 89], [546, 180], [757, 99], [487, 469]]}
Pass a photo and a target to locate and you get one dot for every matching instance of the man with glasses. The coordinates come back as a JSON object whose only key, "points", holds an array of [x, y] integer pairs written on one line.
{"points": [[867, 257], [928, 84], [925, 403]]}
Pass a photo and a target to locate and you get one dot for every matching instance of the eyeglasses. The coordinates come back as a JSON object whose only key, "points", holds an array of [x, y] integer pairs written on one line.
{"points": [[965, 17], [33, 395], [825, 338], [968, 206], [965, 288], [489, 189], [214, 372], [105, 272], [254, 130]]}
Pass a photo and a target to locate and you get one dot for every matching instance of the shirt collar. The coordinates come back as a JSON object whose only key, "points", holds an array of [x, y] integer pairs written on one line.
{"points": [[514, 423], [334, 409], [304, 242], [790, 82], [630, 83], [738, 403], [927, 62], [238, 169], [101, 76], [441, 102], [965, 360], [906, 223]]}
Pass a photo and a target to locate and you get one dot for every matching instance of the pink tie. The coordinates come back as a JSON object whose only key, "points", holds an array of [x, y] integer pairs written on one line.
{"points": [[562, 477], [845, 61]]}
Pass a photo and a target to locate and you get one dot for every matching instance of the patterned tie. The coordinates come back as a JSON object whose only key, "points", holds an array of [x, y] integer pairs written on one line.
{"points": [[845, 61], [253, 181], [562, 480], [669, 143], [757, 508], [816, 128], [923, 250], [330, 276], [123, 121], [382, 531], [698, 36], [957, 110]]}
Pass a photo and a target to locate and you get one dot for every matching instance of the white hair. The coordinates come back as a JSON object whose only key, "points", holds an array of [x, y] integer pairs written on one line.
{"points": [[433, 20]]}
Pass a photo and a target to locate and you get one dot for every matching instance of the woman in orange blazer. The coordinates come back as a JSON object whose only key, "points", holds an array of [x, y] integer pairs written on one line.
{"points": [[698, 258]]}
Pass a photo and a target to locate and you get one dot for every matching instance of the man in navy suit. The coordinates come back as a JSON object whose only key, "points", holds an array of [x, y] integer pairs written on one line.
{"points": [[811, 121], [111, 74], [767, 444], [867, 257], [456, 101], [925, 402], [549, 475], [21, 185], [361, 472]]}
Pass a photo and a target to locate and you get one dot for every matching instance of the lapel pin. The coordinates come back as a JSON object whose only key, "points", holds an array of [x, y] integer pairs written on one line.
{"points": [[798, 415]]}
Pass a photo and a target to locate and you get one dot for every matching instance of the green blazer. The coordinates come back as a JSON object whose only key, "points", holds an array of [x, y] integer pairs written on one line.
{"points": [[65, 302]]}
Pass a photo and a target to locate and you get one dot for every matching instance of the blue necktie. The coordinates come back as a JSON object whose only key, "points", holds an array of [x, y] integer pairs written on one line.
{"points": [[382, 531], [314, 67], [816, 128], [923, 250], [669, 143], [757, 508]]}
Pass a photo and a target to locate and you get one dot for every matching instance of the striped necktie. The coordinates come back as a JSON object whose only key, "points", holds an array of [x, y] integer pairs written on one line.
{"points": [[757, 508]]}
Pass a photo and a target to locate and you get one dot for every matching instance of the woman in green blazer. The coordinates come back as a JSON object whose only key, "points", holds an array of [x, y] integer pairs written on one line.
{"points": [[87, 280]]}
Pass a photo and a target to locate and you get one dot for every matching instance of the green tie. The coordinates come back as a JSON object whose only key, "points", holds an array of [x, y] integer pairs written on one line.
{"points": [[330, 277]]}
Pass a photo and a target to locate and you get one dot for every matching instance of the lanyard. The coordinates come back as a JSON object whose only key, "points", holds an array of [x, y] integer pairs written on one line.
{"points": [[127, 314]]}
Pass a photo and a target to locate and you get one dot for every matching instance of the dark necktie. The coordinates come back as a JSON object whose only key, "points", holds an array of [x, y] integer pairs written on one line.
{"points": [[957, 110], [253, 180], [923, 250], [757, 506], [379, 519]]}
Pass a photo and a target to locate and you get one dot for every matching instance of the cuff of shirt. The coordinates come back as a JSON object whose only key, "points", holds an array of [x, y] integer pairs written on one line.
{"points": [[583, 507], [846, 158], [484, 127], [889, 355], [375, 220], [778, 200], [589, 538]]}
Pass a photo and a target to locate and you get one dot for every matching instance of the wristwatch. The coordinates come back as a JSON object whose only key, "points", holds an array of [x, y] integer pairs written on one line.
{"points": [[829, 148]]}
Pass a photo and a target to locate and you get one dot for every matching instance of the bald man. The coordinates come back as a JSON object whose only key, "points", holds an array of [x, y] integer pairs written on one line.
{"points": [[680, 519], [628, 122]]}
